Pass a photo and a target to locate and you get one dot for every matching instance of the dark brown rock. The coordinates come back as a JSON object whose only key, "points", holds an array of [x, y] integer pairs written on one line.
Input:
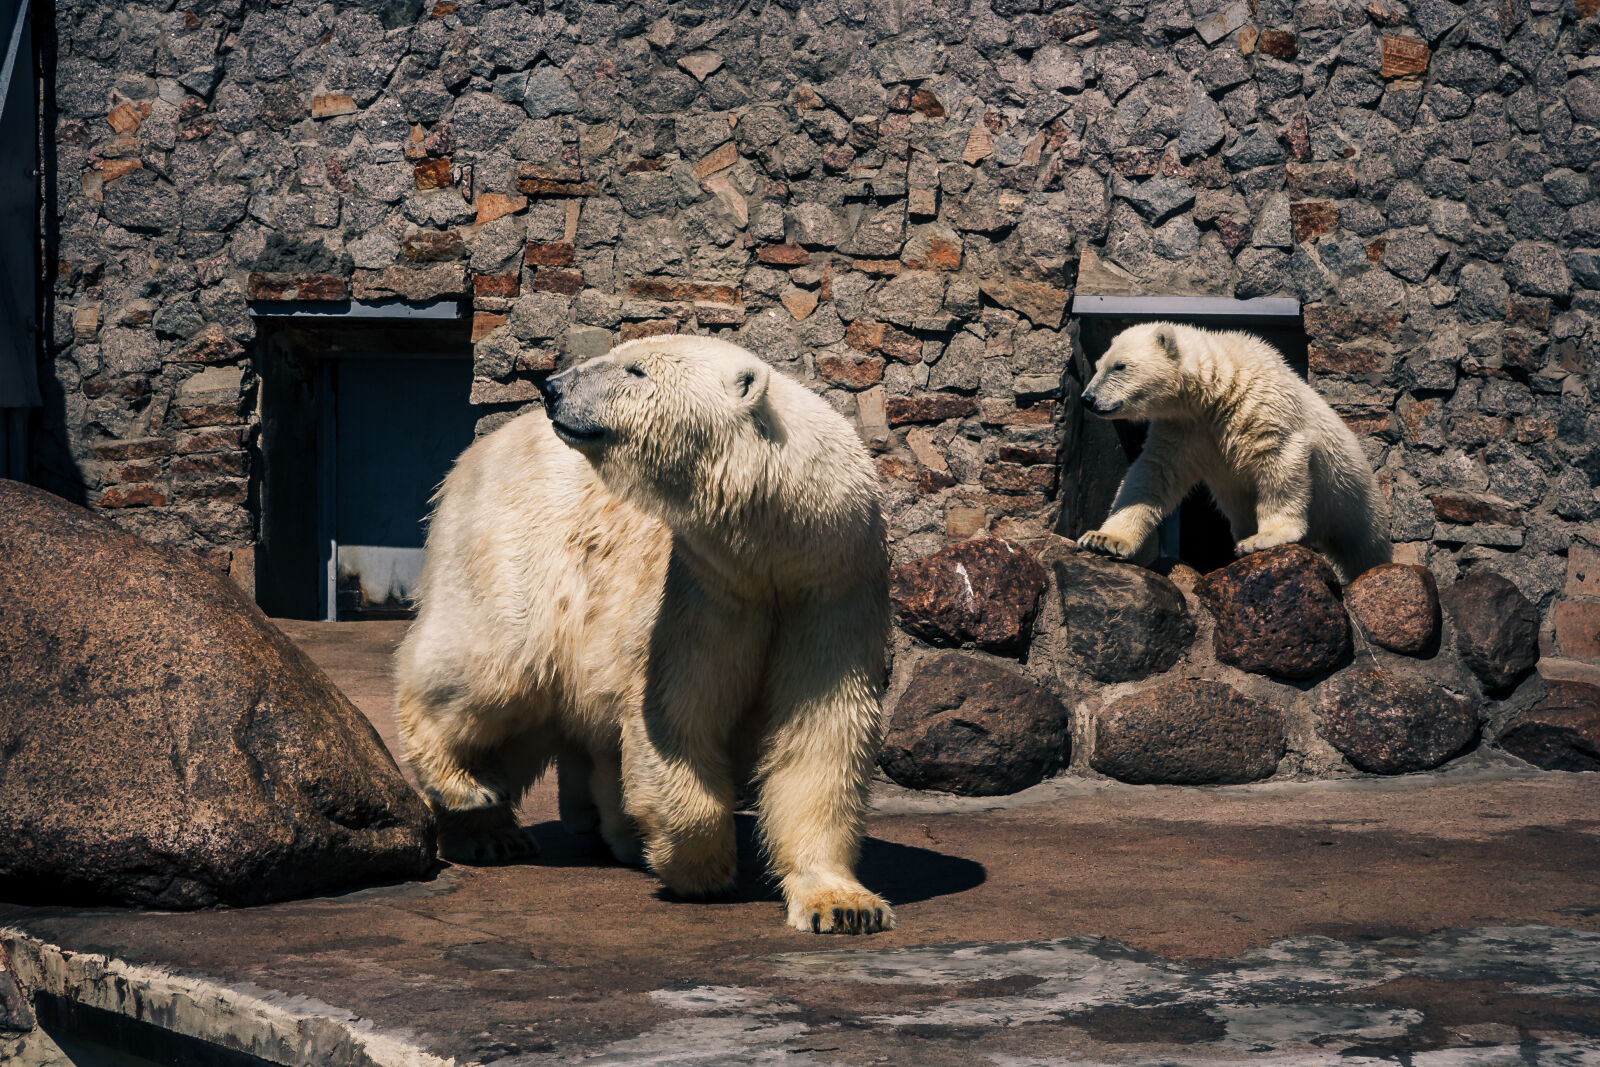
{"points": [[163, 744], [1559, 733], [1497, 628], [966, 725], [1397, 607], [1188, 732], [1122, 622], [1278, 612], [437, 281], [983, 592], [936, 408], [297, 287], [1387, 723]]}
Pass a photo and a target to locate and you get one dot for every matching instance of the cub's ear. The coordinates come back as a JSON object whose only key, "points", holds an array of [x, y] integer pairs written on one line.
{"points": [[748, 384], [1167, 338]]}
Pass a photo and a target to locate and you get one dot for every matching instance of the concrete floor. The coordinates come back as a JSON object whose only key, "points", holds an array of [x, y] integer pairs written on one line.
{"points": [[1441, 919]]}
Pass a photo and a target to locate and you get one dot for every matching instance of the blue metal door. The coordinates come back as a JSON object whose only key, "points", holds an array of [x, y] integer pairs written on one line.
{"points": [[391, 430]]}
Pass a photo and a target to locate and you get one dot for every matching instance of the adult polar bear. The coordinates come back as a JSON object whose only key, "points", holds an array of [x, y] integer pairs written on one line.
{"points": [[1224, 409], [672, 580]]}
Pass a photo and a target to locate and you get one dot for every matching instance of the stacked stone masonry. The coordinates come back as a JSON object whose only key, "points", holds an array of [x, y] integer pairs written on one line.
{"points": [[1265, 668], [894, 201]]}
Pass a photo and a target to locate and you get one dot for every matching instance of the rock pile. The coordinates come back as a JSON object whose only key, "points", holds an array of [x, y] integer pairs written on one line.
{"points": [[1259, 672]]}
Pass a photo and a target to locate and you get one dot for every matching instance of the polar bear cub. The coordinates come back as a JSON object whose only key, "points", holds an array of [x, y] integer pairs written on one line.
{"points": [[1226, 410], [672, 582]]}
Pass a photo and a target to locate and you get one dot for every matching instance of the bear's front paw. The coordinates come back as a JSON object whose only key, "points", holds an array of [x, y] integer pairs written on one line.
{"points": [[1106, 544], [840, 908]]}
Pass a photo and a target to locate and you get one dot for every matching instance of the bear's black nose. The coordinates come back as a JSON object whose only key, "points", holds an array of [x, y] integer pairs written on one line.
{"points": [[1088, 400], [550, 389]]}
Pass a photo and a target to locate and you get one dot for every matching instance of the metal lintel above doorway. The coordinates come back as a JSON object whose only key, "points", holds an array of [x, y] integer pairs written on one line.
{"points": [[433, 311], [1186, 307]]}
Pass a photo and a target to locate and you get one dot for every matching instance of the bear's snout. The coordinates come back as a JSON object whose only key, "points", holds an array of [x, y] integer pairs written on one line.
{"points": [[550, 388]]}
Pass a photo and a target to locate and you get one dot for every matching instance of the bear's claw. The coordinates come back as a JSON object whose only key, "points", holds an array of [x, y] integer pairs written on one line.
{"points": [[842, 910], [1105, 544]]}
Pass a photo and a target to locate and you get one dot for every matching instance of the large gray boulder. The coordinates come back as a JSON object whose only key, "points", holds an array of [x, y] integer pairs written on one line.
{"points": [[163, 744]]}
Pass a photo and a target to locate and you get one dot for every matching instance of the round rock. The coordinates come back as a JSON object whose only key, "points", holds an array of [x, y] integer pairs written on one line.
{"points": [[1278, 612], [1188, 732], [1397, 607], [1123, 622], [966, 725], [163, 744], [1559, 733], [1386, 723], [984, 593], [1497, 628]]}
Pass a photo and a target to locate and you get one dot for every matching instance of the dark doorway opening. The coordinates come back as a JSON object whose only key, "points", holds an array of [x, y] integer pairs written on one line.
{"points": [[359, 425], [1100, 451]]}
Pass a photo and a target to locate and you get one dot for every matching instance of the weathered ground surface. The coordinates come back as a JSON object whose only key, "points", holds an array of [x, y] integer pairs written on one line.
{"points": [[1456, 917]]}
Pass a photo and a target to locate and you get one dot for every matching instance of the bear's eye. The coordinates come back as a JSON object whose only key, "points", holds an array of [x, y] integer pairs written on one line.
{"points": [[1119, 366], [635, 370]]}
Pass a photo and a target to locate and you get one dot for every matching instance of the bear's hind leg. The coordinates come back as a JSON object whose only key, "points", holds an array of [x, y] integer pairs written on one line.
{"points": [[472, 787], [492, 834], [591, 802], [443, 746]]}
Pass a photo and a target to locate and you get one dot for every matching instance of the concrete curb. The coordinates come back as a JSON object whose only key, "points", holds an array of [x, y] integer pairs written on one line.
{"points": [[292, 1031]]}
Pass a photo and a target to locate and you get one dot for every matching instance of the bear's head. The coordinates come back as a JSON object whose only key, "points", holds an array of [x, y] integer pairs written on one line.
{"points": [[656, 417], [1140, 375]]}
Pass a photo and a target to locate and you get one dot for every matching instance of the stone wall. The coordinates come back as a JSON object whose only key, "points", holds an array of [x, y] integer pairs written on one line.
{"points": [[893, 200], [1010, 668]]}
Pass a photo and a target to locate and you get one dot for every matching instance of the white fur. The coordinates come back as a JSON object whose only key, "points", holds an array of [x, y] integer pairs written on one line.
{"points": [[700, 600], [1226, 410]]}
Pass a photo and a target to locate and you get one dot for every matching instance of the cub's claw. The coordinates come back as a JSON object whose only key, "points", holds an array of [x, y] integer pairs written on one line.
{"points": [[1106, 545]]}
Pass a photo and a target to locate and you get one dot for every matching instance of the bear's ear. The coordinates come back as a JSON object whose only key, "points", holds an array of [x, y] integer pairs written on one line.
{"points": [[748, 384], [1167, 338]]}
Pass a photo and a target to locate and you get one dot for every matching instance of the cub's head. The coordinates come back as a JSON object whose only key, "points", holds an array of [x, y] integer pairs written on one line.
{"points": [[654, 412], [1139, 376]]}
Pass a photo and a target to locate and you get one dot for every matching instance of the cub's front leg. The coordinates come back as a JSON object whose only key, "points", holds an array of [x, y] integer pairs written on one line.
{"points": [[1283, 497], [1152, 489]]}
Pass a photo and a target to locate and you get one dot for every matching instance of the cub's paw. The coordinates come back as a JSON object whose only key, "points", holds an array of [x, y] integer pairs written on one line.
{"points": [[1260, 543], [840, 908], [1106, 544], [484, 837]]}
